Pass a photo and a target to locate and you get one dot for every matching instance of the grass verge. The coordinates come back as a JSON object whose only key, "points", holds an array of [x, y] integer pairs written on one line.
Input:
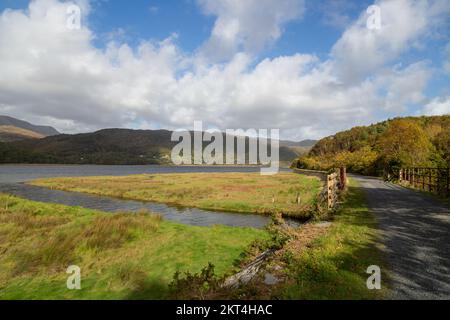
{"points": [[319, 261], [334, 266], [234, 192], [121, 256], [432, 195]]}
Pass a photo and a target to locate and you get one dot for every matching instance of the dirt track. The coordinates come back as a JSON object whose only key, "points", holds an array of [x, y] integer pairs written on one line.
{"points": [[416, 238]]}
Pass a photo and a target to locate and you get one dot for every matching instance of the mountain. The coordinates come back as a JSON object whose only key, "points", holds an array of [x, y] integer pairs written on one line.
{"points": [[108, 146], [12, 129], [384, 147], [292, 149], [11, 133], [303, 143]]}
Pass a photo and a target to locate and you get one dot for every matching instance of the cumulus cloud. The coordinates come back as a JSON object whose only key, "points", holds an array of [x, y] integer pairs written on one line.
{"points": [[53, 75], [438, 106], [361, 51], [247, 25], [404, 87]]}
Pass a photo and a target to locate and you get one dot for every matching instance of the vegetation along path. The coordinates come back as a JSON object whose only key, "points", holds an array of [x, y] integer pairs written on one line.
{"points": [[416, 239]]}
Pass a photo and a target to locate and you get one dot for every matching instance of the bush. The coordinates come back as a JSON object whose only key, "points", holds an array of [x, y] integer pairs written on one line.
{"points": [[194, 286]]}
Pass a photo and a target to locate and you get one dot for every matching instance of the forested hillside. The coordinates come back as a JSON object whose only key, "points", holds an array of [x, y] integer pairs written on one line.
{"points": [[111, 147], [384, 147]]}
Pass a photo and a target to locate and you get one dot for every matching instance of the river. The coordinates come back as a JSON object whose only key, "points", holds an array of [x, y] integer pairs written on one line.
{"points": [[13, 178]]}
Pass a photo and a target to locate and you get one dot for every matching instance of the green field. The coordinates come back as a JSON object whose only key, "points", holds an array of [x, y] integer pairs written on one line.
{"points": [[234, 192], [121, 256]]}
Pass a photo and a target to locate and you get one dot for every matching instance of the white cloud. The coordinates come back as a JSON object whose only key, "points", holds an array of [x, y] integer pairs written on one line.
{"points": [[247, 25], [438, 106], [53, 75], [362, 51], [404, 86]]}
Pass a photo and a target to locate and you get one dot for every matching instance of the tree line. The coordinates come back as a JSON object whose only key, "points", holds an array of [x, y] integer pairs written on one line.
{"points": [[382, 149]]}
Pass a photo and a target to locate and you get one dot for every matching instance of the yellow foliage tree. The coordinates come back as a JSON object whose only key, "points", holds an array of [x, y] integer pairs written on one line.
{"points": [[405, 143]]}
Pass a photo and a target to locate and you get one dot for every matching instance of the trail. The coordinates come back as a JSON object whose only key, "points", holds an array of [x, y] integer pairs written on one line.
{"points": [[415, 233]]}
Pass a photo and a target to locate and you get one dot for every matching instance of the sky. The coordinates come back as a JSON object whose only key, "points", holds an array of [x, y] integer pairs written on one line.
{"points": [[307, 67]]}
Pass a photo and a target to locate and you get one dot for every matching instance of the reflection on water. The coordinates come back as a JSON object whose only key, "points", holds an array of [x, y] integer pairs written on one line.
{"points": [[12, 178]]}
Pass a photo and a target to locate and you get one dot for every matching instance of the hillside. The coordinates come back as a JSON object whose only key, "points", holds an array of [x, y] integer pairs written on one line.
{"points": [[384, 147], [109, 146], [11, 133], [302, 144], [12, 129], [44, 130]]}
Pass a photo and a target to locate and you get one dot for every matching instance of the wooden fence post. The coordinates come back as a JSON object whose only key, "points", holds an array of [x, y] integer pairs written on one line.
{"points": [[436, 180], [331, 190], [422, 174], [448, 182], [430, 181], [343, 177]]}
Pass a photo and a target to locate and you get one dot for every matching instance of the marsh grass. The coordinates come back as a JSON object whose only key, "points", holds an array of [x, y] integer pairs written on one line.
{"points": [[106, 232], [121, 256], [233, 192]]}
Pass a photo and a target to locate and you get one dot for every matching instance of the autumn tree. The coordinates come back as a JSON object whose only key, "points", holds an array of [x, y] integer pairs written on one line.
{"points": [[442, 143], [404, 143]]}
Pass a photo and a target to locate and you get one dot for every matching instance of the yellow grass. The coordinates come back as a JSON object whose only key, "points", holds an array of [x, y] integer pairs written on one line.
{"points": [[234, 192]]}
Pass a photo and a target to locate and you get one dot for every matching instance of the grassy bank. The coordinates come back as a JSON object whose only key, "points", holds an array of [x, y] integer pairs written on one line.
{"points": [[334, 266], [121, 256], [235, 192]]}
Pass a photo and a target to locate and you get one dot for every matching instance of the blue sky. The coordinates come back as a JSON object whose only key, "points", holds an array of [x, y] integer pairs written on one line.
{"points": [[158, 19], [315, 55]]}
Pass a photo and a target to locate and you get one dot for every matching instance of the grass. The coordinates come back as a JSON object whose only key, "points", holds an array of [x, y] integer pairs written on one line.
{"points": [[233, 192], [439, 198], [334, 267], [121, 256]]}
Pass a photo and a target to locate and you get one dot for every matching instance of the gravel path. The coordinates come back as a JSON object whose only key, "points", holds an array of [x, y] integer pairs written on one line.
{"points": [[416, 238]]}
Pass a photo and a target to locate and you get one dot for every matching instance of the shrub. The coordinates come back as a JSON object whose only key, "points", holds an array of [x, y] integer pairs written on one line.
{"points": [[194, 286]]}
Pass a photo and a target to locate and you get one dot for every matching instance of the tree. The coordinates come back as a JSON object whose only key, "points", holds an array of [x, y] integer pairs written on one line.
{"points": [[404, 143], [442, 143]]}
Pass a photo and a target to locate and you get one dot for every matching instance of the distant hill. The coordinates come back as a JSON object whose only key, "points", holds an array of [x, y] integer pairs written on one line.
{"points": [[11, 133], [304, 143], [385, 146], [109, 146], [12, 129], [299, 148]]}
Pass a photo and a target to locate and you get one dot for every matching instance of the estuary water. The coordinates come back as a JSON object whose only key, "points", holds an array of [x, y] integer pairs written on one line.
{"points": [[13, 180]]}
